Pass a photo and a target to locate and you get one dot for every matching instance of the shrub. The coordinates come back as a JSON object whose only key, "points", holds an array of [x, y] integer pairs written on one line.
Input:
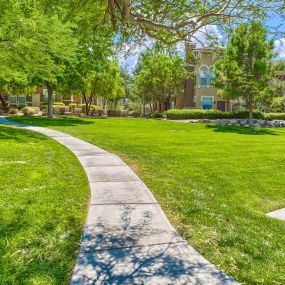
{"points": [[30, 111], [58, 104], [83, 108], [117, 113], [94, 107], [274, 116], [21, 106], [13, 111], [72, 107], [278, 104], [183, 114], [134, 106], [156, 115], [193, 114]]}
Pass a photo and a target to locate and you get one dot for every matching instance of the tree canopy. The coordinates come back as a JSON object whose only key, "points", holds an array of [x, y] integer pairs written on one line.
{"points": [[244, 71], [160, 77], [177, 20]]}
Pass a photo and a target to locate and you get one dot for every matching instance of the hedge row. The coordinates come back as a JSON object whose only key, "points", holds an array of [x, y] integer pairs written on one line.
{"points": [[183, 114], [209, 114], [274, 116]]}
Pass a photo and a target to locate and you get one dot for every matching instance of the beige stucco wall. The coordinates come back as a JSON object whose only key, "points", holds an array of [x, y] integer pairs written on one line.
{"points": [[206, 59], [36, 100]]}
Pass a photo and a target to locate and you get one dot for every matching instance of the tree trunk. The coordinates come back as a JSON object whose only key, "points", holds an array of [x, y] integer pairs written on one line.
{"points": [[87, 101], [250, 111], [50, 100], [4, 103], [151, 106]]}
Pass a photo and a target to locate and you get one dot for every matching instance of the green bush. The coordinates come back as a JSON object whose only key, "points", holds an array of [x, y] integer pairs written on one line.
{"points": [[156, 115], [30, 111], [58, 104], [43, 107], [274, 116], [134, 106], [72, 107], [94, 107], [177, 114], [244, 115], [21, 106], [184, 114], [117, 113], [278, 104], [83, 108]]}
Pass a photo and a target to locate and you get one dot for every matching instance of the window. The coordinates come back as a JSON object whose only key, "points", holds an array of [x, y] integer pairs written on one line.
{"points": [[45, 93], [13, 100], [203, 76], [22, 100], [212, 76], [207, 103]]}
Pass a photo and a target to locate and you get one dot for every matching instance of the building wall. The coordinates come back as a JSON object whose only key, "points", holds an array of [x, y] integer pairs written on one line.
{"points": [[205, 63]]}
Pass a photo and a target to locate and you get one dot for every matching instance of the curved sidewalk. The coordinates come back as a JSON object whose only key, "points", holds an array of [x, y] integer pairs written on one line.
{"points": [[127, 239]]}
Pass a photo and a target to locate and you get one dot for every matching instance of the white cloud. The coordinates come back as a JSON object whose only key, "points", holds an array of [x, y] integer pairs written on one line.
{"points": [[280, 47], [207, 35], [129, 54]]}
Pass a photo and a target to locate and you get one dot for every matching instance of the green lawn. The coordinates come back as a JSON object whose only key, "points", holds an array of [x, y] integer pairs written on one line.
{"points": [[43, 203], [215, 184]]}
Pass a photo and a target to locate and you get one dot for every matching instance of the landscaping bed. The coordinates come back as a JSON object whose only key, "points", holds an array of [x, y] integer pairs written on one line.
{"points": [[183, 114], [257, 123]]}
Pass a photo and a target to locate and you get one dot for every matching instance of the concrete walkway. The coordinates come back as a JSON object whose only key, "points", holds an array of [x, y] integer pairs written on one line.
{"points": [[127, 239]]}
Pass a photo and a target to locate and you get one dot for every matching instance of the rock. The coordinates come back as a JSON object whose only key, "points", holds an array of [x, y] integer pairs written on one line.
{"points": [[257, 125]]}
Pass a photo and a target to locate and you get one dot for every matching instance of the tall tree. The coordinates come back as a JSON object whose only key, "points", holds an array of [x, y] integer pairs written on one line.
{"points": [[160, 77], [34, 48], [55, 52], [244, 71]]}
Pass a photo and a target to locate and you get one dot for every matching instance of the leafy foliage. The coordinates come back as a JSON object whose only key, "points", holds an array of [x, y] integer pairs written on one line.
{"points": [[244, 71], [209, 114], [160, 77]]}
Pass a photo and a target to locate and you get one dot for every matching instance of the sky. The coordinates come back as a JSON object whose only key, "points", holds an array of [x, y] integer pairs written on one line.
{"points": [[277, 21], [130, 61]]}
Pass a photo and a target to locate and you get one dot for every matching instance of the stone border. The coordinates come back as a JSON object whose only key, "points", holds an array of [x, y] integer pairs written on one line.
{"points": [[257, 123], [127, 239]]}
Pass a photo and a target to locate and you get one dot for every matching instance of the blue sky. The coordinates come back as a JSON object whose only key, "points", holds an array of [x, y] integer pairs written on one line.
{"points": [[278, 22]]}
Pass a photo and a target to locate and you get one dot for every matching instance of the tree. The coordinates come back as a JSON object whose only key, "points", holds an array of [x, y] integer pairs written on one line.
{"points": [[34, 48], [54, 53], [160, 78], [278, 74], [178, 20], [95, 75], [244, 71], [108, 85]]}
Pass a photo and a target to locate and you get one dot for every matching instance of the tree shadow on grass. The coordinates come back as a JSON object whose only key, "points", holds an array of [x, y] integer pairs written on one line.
{"points": [[242, 130], [19, 135], [45, 122]]}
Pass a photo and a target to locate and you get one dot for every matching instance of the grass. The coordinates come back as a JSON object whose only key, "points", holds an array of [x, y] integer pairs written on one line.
{"points": [[43, 204], [215, 184]]}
